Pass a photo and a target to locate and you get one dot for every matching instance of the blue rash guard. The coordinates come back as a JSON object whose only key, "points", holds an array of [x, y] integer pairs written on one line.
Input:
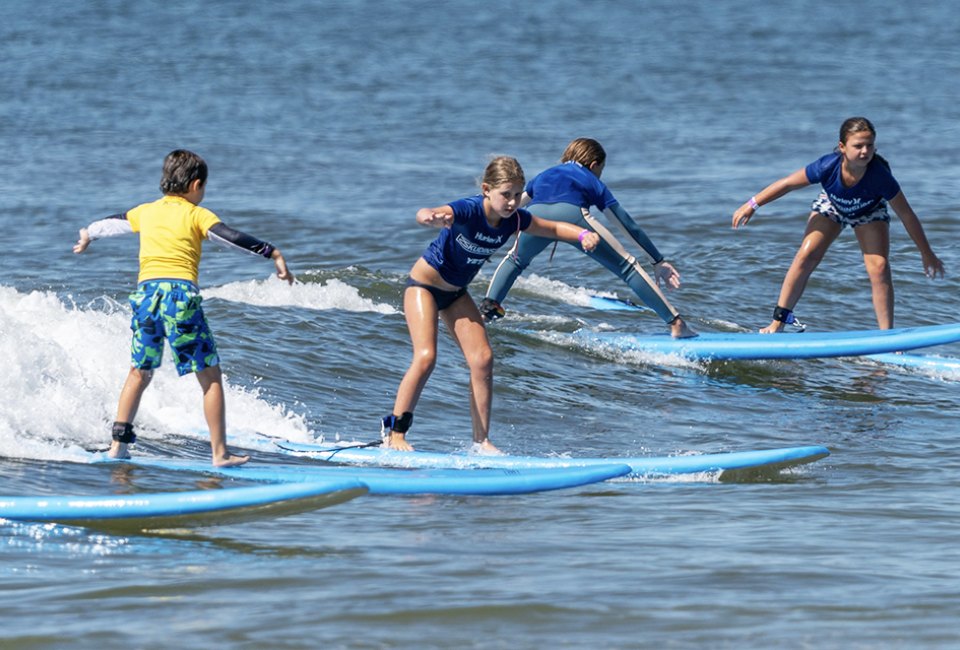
{"points": [[570, 182], [459, 251], [562, 193], [876, 185]]}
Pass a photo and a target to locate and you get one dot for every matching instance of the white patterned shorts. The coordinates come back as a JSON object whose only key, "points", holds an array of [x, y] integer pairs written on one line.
{"points": [[823, 206]]}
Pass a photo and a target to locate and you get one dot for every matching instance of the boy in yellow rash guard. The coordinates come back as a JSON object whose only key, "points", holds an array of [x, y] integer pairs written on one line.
{"points": [[166, 304]]}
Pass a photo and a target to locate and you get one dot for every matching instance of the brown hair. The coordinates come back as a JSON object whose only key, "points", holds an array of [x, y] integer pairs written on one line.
{"points": [[584, 151], [180, 169], [503, 169], [853, 125]]}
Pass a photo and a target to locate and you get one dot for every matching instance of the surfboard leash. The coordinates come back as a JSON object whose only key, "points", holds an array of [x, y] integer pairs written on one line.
{"points": [[362, 445], [331, 452]]}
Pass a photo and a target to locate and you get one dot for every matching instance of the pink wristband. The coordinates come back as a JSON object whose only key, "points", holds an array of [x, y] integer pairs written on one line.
{"points": [[583, 233], [753, 203]]}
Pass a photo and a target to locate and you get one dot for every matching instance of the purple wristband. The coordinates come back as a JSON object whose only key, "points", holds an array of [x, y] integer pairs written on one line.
{"points": [[583, 233]]}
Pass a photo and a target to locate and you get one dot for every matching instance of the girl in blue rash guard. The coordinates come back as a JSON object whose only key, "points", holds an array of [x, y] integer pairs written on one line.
{"points": [[566, 192], [472, 229], [857, 185]]}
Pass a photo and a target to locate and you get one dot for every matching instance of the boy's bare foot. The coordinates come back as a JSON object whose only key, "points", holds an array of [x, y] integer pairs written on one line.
{"points": [[773, 328], [680, 330], [118, 450], [486, 448], [398, 442], [230, 461]]}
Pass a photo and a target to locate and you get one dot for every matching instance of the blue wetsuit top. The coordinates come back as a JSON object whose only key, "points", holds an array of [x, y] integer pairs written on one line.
{"points": [[459, 251], [570, 182], [877, 184]]}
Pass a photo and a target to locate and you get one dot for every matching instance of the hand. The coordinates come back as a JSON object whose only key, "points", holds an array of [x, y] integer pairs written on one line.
{"points": [[83, 242], [742, 215], [282, 271], [442, 220], [590, 241], [435, 218], [932, 266], [666, 275]]}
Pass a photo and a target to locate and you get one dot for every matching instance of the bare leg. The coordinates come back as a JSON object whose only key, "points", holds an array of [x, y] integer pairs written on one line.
{"points": [[874, 241], [214, 409], [128, 405], [466, 325], [820, 233], [420, 310]]}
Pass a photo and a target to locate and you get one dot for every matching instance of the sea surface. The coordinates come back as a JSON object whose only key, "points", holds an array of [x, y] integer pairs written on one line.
{"points": [[326, 125]]}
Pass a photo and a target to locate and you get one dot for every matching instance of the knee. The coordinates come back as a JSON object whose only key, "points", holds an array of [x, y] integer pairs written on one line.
{"points": [[424, 361], [878, 268], [140, 377], [210, 376], [481, 360], [628, 273], [808, 259]]}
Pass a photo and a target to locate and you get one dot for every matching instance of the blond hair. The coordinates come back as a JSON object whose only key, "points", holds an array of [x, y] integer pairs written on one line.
{"points": [[503, 169]]}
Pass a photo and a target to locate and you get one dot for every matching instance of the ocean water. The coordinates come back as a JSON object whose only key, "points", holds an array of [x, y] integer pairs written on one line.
{"points": [[326, 125]]}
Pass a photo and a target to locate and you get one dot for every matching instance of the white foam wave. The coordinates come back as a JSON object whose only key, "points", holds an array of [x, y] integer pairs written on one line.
{"points": [[616, 354], [556, 290], [64, 366], [274, 292]]}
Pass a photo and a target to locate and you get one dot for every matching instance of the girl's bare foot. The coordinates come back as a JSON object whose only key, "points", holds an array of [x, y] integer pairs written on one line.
{"points": [[118, 450], [680, 330], [398, 442], [773, 328]]}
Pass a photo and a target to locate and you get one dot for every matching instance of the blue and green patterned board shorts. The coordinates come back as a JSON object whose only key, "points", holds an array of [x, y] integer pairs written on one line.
{"points": [[170, 309]]}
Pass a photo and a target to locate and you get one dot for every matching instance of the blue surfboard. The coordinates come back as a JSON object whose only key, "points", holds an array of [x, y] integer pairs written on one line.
{"points": [[491, 481], [131, 512], [649, 466], [930, 363], [753, 345], [603, 303]]}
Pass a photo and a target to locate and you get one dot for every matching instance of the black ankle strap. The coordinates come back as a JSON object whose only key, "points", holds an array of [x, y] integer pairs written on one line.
{"points": [[123, 432]]}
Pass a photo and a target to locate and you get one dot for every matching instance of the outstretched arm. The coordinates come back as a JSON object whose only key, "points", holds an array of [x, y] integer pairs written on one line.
{"points": [[440, 217], [932, 266], [563, 231], [633, 229], [223, 234], [770, 193], [663, 271], [115, 224]]}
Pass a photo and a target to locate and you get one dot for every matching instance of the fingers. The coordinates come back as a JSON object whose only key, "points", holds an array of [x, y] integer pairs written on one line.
{"points": [[668, 275], [933, 269], [82, 242], [742, 215], [590, 241], [285, 274]]}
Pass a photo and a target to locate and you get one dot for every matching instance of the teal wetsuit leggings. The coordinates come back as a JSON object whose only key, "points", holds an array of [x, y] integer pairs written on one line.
{"points": [[529, 247]]}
